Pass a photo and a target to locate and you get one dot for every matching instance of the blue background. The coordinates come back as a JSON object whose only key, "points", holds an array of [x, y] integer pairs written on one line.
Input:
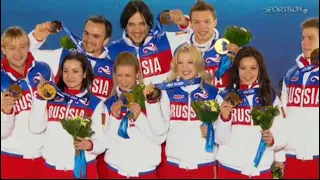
{"points": [[276, 34]]}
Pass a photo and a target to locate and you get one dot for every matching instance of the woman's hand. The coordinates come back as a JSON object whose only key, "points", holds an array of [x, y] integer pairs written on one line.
{"points": [[82, 144]]}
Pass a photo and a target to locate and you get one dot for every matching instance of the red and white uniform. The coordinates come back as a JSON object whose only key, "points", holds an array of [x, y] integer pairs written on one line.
{"points": [[155, 54], [19, 146], [300, 97], [136, 157], [102, 83], [211, 57], [58, 150], [185, 146], [236, 158]]}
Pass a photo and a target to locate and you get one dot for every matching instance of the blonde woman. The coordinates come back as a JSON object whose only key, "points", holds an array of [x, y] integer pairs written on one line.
{"points": [[138, 155], [186, 154]]}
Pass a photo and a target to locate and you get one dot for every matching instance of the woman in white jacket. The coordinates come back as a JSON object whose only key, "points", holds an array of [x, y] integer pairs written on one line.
{"points": [[250, 80], [59, 146], [186, 153], [138, 155]]}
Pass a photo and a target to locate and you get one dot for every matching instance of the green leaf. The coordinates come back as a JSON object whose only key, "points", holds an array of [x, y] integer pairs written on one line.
{"points": [[276, 173], [67, 43], [203, 112], [264, 116], [238, 35], [76, 128], [139, 98]]}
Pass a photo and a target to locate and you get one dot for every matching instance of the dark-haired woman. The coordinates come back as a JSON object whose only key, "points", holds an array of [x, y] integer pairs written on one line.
{"points": [[250, 80], [59, 146]]}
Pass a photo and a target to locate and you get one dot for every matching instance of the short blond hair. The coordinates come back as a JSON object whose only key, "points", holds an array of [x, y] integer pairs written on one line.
{"points": [[11, 34], [197, 59]]}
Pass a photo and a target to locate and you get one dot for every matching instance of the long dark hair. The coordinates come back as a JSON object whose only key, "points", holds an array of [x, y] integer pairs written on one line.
{"points": [[267, 93], [85, 65], [133, 7]]}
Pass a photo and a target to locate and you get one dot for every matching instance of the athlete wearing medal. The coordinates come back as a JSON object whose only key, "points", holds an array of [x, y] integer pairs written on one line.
{"points": [[135, 152], [59, 146], [249, 87], [199, 30], [96, 35], [300, 97], [201, 27], [20, 74], [186, 156]]}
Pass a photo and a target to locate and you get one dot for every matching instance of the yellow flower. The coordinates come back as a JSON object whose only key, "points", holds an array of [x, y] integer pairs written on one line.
{"points": [[212, 104], [244, 29], [84, 122]]}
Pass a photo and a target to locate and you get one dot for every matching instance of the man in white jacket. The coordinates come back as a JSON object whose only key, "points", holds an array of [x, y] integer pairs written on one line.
{"points": [[300, 98], [20, 149], [96, 34]]}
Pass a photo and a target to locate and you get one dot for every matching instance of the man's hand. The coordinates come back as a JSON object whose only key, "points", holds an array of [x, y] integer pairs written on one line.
{"points": [[178, 17], [42, 31]]}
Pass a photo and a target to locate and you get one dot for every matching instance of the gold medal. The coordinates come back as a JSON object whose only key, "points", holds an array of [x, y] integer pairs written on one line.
{"points": [[15, 91], [233, 98], [154, 95], [47, 92], [221, 46], [315, 56], [165, 17], [129, 97], [55, 27]]}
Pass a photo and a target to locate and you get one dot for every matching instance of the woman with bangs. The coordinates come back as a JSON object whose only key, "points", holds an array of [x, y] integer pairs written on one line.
{"points": [[186, 155]]}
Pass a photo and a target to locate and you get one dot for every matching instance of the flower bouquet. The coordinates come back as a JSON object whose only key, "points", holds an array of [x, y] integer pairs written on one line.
{"points": [[237, 35], [263, 116], [135, 95], [207, 111], [78, 127], [67, 43]]}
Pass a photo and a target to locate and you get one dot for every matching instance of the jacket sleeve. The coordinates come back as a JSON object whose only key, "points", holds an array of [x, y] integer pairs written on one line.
{"points": [[34, 44], [176, 39], [111, 129], [7, 123], [98, 138], [38, 118], [279, 129], [223, 128], [188, 27], [51, 57], [143, 124], [159, 115], [284, 96], [280, 155]]}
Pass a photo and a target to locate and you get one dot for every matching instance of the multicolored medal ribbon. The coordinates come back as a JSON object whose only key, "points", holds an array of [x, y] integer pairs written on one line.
{"points": [[77, 42], [126, 98], [168, 85]]}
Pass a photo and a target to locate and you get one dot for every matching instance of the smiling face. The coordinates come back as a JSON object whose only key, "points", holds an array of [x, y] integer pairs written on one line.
{"points": [[73, 74], [126, 76], [137, 28], [94, 38], [203, 24], [248, 70], [16, 51], [187, 68]]}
